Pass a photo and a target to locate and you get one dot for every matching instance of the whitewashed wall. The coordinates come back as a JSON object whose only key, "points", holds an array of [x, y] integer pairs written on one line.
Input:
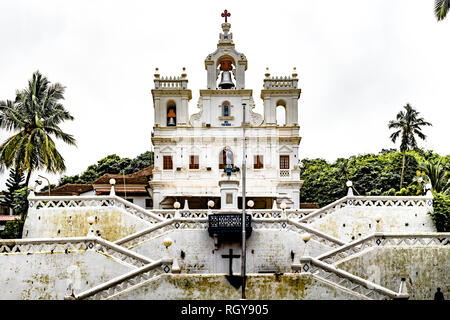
{"points": [[351, 223], [46, 276]]}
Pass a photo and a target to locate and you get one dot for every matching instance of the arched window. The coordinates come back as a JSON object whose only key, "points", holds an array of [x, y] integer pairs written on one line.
{"points": [[226, 158], [281, 112], [226, 109], [171, 114]]}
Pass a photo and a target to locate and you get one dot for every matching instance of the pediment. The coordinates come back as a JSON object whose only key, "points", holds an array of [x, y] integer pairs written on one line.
{"points": [[167, 149], [285, 149]]}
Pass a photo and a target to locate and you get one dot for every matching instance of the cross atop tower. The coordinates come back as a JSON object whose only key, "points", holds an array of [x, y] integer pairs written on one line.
{"points": [[225, 14]]}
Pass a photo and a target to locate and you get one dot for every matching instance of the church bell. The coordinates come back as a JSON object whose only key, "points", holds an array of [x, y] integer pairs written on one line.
{"points": [[226, 81]]}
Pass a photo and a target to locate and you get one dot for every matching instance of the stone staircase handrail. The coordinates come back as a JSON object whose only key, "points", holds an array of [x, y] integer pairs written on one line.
{"points": [[368, 201], [382, 239], [121, 282], [172, 223], [346, 279], [93, 201]]}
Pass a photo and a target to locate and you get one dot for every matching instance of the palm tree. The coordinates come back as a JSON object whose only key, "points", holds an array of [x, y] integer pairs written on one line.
{"points": [[441, 8], [408, 124], [438, 175], [34, 116]]}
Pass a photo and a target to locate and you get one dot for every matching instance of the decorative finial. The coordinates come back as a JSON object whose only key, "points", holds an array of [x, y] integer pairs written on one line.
{"points": [[226, 14], [267, 74], [156, 73], [294, 73], [183, 74]]}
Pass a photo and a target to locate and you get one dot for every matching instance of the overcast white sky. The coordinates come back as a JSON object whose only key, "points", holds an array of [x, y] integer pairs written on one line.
{"points": [[359, 62]]}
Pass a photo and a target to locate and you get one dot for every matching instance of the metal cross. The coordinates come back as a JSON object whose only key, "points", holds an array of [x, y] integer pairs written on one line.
{"points": [[226, 14], [231, 256]]}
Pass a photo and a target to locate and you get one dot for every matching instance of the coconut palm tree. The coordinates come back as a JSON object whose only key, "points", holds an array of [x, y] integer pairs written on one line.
{"points": [[408, 125], [34, 117], [437, 174], [441, 8]]}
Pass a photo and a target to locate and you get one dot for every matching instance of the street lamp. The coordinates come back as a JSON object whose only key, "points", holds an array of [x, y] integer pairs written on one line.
{"points": [[244, 170], [283, 207], [378, 219], [306, 237], [250, 203], [48, 182], [112, 182]]}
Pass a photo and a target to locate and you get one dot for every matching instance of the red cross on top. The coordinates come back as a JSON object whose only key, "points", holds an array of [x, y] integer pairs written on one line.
{"points": [[226, 14]]}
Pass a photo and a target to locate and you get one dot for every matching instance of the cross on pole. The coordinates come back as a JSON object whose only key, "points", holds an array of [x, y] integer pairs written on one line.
{"points": [[226, 14], [231, 256]]}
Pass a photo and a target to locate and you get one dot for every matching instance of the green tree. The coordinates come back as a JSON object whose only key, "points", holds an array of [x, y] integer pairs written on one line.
{"points": [[441, 8], [140, 162], [35, 116], [437, 174], [407, 125], [14, 182], [441, 212]]}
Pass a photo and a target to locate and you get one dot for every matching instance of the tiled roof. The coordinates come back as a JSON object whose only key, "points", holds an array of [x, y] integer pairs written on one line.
{"points": [[309, 205], [139, 177], [68, 189]]}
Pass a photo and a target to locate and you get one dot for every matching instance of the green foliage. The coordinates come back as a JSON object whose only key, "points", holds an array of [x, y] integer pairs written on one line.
{"points": [[407, 126], [20, 202], [441, 9], [322, 182], [34, 117], [371, 174], [14, 182], [13, 229], [437, 173], [112, 164], [441, 212], [140, 162]]}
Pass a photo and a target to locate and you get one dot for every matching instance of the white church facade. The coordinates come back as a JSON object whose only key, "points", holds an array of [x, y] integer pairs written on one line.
{"points": [[193, 152]]}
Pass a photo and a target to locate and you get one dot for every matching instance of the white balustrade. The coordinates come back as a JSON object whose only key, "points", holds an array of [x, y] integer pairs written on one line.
{"points": [[386, 239], [342, 278]]}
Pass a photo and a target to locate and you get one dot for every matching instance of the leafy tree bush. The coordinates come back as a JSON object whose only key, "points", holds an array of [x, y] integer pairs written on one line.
{"points": [[13, 229], [14, 182], [371, 174], [20, 202], [112, 164], [441, 212]]}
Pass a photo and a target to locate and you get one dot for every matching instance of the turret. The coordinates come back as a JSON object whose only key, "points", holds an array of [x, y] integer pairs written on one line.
{"points": [[280, 92], [170, 99]]}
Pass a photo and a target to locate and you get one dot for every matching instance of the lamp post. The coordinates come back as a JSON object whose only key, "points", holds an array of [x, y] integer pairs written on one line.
{"points": [[283, 206], [48, 182], [243, 203], [306, 237], [91, 220], [177, 206], [210, 205], [112, 182], [378, 219]]}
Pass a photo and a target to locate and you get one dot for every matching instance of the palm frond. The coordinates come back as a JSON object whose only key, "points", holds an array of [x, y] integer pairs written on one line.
{"points": [[441, 8]]}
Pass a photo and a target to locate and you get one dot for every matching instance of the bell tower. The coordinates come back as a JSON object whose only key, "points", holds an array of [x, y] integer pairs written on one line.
{"points": [[225, 67], [170, 99]]}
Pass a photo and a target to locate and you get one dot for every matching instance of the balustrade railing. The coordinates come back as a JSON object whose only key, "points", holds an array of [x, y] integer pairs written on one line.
{"points": [[43, 202], [119, 284], [347, 280], [288, 224], [161, 228], [280, 82], [71, 245], [369, 201], [384, 240]]}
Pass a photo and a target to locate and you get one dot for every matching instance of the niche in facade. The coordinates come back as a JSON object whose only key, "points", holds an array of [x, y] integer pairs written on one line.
{"points": [[171, 114]]}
